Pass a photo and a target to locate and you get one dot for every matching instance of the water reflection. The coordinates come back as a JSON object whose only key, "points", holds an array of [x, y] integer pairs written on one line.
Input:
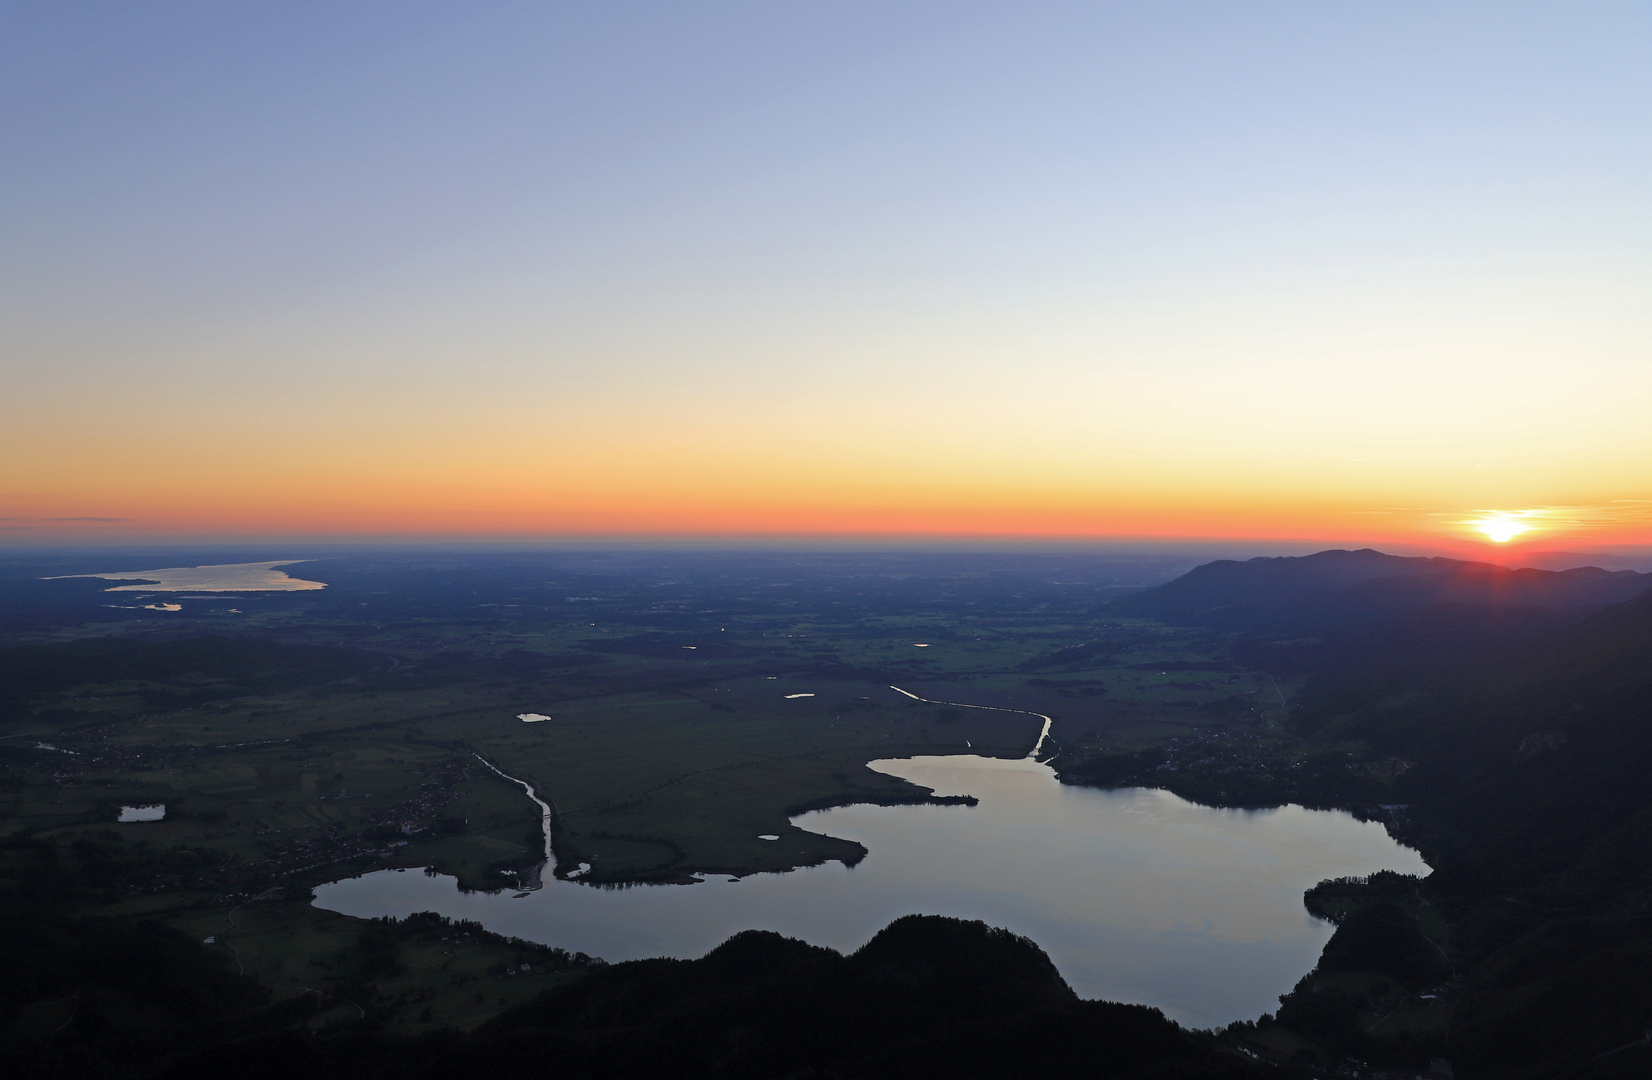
{"points": [[1136, 895], [226, 577]]}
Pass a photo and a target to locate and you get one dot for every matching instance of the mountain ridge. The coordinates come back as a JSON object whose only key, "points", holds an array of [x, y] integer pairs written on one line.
{"points": [[1339, 587]]}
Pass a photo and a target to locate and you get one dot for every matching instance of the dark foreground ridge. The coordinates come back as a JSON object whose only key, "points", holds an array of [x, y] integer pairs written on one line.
{"points": [[927, 997]]}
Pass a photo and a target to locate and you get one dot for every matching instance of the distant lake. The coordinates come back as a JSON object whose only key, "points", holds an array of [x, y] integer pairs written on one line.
{"points": [[1137, 895], [228, 577]]}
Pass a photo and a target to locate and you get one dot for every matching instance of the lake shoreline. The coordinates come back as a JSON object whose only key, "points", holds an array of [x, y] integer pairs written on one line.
{"points": [[1137, 895]]}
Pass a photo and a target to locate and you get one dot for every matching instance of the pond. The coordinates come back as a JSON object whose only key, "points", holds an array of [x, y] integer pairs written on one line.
{"points": [[1136, 894]]}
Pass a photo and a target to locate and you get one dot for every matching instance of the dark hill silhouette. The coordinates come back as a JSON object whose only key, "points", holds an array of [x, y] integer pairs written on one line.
{"points": [[1336, 588], [1531, 800], [1519, 706], [1484, 691], [1539, 557], [927, 997]]}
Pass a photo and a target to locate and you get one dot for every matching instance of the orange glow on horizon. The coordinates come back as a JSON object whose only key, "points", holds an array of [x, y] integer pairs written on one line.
{"points": [[513, 481], [828, 516]]}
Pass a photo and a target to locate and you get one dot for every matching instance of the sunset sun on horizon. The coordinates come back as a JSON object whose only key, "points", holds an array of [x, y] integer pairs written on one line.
{"points": [[1500, 528]]}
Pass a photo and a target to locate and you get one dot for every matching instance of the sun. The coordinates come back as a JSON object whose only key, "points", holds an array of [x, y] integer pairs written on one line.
{"points": [[1500, 528]]}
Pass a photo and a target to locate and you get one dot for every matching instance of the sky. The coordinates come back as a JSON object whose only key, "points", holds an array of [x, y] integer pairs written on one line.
{"points": [[1367, 273]]}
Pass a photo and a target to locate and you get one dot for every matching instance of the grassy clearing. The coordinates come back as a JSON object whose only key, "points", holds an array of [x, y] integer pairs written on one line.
{"points": [[652, 784]]}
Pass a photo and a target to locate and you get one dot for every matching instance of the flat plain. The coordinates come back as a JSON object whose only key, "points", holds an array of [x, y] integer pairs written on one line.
{"points": [[696, 703]]}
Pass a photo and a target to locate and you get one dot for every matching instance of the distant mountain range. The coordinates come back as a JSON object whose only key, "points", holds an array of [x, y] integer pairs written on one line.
{"points": [[1516, 556], [1336, 588]]}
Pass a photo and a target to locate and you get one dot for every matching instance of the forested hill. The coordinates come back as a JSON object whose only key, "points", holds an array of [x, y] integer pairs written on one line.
{"points": [[1529, 795], [926, 997], [1475, 701], [1500, 721], [1335, 588]]}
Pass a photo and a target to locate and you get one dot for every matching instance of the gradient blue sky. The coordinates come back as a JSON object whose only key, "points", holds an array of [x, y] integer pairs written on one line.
{"points": [[1237, 269]]}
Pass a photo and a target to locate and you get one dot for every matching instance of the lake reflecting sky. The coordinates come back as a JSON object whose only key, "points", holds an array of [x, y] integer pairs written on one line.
{"points": [[227, 577], [1137, 895]]}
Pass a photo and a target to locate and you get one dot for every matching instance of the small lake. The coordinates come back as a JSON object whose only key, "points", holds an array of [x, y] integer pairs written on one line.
{"points": [[1137, 895]]}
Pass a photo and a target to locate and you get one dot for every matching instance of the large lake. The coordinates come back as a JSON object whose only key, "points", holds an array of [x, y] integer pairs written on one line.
{"points": [[1137, 895], [224, 577]]}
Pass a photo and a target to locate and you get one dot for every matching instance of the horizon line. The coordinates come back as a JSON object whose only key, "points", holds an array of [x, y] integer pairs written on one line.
{"points": [[868, 543]]}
